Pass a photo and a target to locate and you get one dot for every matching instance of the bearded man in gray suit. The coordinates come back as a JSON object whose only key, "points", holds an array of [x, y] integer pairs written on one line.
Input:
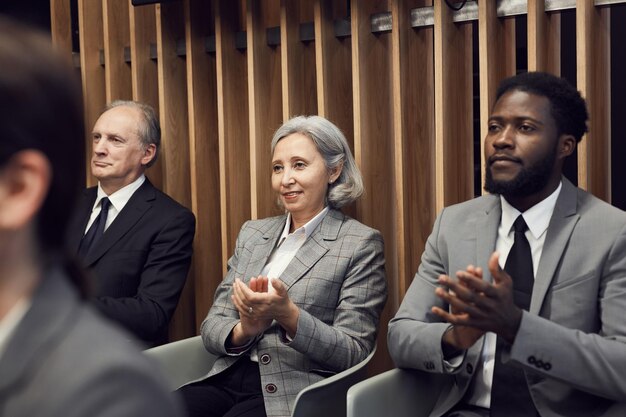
{"points": [[557, 339]]}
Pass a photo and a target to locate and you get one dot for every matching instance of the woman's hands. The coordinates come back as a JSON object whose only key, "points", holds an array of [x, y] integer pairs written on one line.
{"points": [[258, 305]]}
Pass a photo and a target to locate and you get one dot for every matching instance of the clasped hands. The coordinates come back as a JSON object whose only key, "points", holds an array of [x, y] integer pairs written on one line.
{"points": [[477, 306], [258, 307]]}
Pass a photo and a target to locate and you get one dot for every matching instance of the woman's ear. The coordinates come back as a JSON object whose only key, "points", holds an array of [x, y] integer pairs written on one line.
{"points": [[335, 173], [24, 183]]}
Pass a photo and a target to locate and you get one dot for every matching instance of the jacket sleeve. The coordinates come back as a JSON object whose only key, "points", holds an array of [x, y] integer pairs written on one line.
{"points": [[352, 334], [223, 315], [414, 334]]}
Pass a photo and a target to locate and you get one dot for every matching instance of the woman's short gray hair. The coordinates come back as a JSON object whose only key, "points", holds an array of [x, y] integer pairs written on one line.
{"points": [[333, 147], [150, 132]]}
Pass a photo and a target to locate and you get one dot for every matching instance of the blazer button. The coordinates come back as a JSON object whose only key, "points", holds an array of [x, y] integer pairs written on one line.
{"points": [[429, 365], [547, 366], [265, 359], [271, 388], [469, 368], [532, 360]]}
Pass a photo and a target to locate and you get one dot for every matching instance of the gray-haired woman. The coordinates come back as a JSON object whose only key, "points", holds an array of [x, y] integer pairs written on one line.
{"points": [[304, 291]]}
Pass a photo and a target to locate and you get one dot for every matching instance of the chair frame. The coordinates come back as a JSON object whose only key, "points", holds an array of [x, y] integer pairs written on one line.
{"points": [[186, 360], [397, 393]]}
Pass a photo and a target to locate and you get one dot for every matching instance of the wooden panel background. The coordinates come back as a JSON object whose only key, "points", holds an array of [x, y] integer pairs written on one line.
{"points": [[224, 74]]}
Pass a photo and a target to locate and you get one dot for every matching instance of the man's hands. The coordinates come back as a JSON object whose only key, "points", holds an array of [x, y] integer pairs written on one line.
{"points": [[258, 307], [477, 306]]}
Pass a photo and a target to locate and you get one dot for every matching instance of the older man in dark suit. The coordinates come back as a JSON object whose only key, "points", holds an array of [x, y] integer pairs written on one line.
{"points": [[136, 239]]}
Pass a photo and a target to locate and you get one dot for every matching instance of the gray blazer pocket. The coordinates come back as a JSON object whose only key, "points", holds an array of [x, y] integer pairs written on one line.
{"points": [[573, 282]]}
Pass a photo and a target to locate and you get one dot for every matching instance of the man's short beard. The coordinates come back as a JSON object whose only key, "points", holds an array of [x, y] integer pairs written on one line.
{"points": [[528, 181]]}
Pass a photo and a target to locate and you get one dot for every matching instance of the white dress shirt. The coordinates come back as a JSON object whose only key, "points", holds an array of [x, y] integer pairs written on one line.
{"points": [[11, 320], [537, 218], [118, 200], [288, 245], [286, 249]]}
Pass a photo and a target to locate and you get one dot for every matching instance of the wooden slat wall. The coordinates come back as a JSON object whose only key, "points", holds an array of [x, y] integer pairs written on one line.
{"points": [[403, 97], [496, 61], [265, 100], [117, 77], [92, 73], [232, 123], [61, 25], [454, 161], [204, 154], [299, 95], [594, 81]]}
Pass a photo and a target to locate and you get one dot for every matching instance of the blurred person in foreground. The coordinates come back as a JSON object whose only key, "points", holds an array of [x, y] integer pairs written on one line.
{"points": [[304, 290], [57, 356], [520, 297]]}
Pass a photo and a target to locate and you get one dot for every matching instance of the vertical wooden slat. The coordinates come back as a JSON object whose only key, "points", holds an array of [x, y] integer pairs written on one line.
{"points": [[333, 67], [61, 26], [594, 82], [203, 153], [144, 70], [265, 98], [92, 73], [544, 31], [232, 124], [116, 30], [175, 133], [298, 60], [414, 145], [496, 56], [373, 127], [453, 103]]}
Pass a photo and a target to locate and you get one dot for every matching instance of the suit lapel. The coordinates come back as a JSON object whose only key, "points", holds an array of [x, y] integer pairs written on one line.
{"points": [[561, 226], [53, 307], [487, 233], [263, 249], [314, 248], [140, 202], [76, 230]]}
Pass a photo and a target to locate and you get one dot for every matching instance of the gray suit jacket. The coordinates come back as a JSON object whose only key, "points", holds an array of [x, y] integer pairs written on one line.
{"points": [[337, 278], [572, 342], [65, 361]]}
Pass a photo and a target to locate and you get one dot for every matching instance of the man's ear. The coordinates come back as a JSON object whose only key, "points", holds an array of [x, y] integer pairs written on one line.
{"points": [[148, 154], [24, 183], [567, 144]]}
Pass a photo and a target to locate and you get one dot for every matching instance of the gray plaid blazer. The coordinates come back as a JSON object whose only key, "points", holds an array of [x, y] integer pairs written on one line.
{"points": [[337, 278]]}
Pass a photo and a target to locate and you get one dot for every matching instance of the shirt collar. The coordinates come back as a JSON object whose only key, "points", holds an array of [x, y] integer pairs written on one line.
{"points": [[119, 198], [11, 320], [308, 228], [537, 217]]}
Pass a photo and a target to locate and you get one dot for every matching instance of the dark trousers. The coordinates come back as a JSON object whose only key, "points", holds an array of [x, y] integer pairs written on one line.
{"points": [[466, 410], [236, 392]]}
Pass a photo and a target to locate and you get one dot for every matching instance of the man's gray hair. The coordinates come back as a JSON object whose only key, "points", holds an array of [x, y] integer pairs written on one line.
{"points": [[333, 146], [150, 131]]}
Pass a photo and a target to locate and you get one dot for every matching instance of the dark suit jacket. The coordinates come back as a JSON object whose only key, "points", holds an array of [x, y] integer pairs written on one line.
{"points": [[572, 342], [141, 262], [64, 360], [337, 279]]}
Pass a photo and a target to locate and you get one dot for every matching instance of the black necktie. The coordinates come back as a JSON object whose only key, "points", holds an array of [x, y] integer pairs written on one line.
{"points": [[96, 230], [509, 391]]}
